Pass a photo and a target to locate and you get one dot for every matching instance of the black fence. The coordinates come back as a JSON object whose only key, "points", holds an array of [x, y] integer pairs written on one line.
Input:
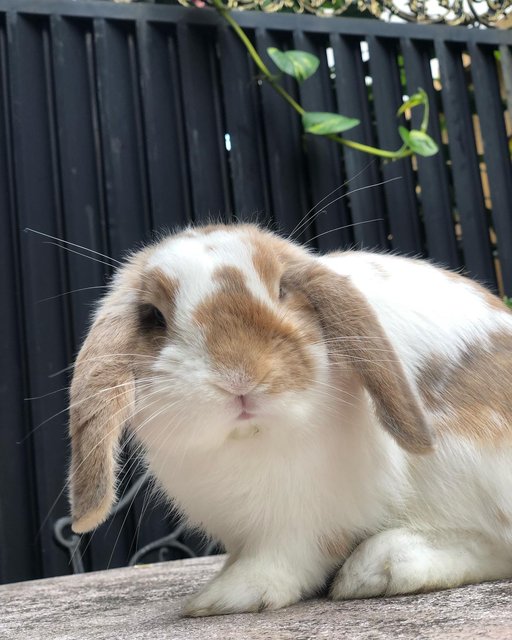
{"points": [[116, 120]]}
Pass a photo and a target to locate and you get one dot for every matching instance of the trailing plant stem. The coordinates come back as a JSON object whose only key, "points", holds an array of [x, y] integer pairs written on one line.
{"points": [[426, 115], [403, 152], [256, 57]]}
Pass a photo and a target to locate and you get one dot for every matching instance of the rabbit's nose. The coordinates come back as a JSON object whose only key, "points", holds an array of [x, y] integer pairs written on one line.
{"points": [[237, 388], [239, 383]]}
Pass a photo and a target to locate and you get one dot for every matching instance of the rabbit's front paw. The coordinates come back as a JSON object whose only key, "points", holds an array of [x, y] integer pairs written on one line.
{"points": [[388, 563], [244, 587]]}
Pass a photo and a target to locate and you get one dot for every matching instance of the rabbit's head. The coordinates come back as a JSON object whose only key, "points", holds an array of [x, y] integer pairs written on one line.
{"points": [[217, 331]]}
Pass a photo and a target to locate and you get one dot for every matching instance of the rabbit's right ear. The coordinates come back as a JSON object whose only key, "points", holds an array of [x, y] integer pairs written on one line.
{"points": [[354, 333], [102, 400]]}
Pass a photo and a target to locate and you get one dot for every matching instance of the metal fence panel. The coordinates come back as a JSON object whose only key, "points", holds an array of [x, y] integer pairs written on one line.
{"points": [[118, 120]]}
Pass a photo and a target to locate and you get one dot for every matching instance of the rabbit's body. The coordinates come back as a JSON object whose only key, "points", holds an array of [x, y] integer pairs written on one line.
{"points": [[427, 312], [302, 475]]}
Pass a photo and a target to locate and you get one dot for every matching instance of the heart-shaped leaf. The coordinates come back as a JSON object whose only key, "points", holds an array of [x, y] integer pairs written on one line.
{"points": [[422, 144], [418, 142], [299, 64], [405, 134], [323, 123], [420, 97]]}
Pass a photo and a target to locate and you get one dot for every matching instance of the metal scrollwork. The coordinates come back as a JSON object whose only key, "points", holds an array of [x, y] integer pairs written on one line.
{"points": [[488, 13], [72, 542]]}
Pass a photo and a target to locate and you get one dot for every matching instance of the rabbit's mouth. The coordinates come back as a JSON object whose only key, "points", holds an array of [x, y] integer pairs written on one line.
{"points": [[246, 415]]}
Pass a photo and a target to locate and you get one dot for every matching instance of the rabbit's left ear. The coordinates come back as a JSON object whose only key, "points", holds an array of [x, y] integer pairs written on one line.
{"points": [[355, 334], [102, 400]]}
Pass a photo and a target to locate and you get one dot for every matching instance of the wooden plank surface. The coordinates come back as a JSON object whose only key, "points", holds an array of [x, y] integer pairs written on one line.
{"points": [[144, 603]]}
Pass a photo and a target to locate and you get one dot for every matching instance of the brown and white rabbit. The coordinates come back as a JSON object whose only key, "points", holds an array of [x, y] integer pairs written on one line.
{"points": [[351, 411]]}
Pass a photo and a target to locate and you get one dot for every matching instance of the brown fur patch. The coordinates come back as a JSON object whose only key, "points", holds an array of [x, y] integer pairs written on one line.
{"points": [[102, 397], [336, 546], [355, 336], [492, 301], [207, 229], [231, 279], [161, 291], [102, 400], [472, 397], [244, 335], [267, 264], [380, 270], [503, 518]]}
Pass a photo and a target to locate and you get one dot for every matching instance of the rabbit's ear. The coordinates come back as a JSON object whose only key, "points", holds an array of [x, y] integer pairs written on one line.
{"points": [[102, 400], [354, 334]]}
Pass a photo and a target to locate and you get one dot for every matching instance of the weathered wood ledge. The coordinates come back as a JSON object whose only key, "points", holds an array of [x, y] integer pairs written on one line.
{"points": [[144, 603]]}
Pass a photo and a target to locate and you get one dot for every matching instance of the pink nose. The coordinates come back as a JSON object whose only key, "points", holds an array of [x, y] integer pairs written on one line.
{"points": [[236, 387], [247, 404]]}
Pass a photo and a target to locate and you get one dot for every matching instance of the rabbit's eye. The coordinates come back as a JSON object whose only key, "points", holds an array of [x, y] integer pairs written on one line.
{"points": [[152, 318]]}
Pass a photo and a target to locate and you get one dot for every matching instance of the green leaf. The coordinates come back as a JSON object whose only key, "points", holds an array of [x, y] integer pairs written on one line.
{"points": [[404, 134], [508, 301], [299, 64], [421, 143], [418, 142], [323, 123], [420, 97]]}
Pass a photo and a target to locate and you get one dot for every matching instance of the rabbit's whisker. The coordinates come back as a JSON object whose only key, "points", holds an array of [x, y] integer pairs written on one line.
{"points": [[83, 255], [72, 244], [304, 221]]}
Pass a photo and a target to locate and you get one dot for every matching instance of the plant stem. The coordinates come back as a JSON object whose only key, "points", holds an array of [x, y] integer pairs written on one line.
{"points": [[403, 152], [256, 57], [426, 115]]}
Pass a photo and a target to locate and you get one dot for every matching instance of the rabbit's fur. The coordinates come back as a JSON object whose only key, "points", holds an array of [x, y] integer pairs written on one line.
{"points": [[349, 413]]}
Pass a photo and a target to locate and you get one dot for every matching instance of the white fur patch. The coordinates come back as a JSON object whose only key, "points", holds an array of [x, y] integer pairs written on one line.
{"points": [[193, 261], [424, 311], [305, 472]]}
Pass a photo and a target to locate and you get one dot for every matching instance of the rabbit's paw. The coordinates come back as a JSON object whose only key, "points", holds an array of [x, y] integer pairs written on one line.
{"points": [[244, 587], [389, 563]]}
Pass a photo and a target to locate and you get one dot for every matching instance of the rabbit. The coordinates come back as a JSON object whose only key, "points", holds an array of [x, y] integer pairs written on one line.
{"points": [[337, 421]]}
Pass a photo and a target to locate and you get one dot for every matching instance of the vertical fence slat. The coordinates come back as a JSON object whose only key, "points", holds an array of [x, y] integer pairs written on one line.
{"points": [[465, 168], [81, 176], [127, 205], [82, 192], [46, 325], [506, 74], [170, 208], [496, 153], [283, 142], [204, 127], [250, 186], [19, 559], [400, 194], [435, 191], [82, 199], [362, 171], [128, 208], [164, 127], [323, 156]]}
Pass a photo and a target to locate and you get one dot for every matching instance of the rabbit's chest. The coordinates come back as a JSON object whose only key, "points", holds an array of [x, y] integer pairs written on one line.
{"points": [[248, 488]]}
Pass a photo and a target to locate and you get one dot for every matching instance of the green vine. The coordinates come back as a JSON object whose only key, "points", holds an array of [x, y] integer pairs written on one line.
{"points": [[301, 65]]}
